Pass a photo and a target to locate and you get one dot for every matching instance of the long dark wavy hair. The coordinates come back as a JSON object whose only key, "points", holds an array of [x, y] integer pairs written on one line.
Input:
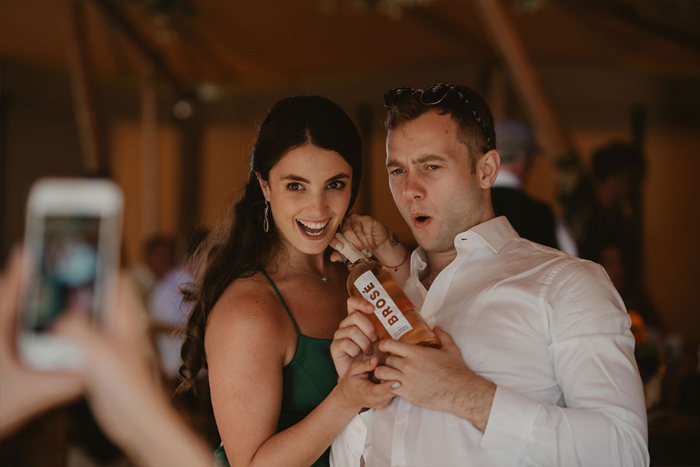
{"points": [[239, 247]]}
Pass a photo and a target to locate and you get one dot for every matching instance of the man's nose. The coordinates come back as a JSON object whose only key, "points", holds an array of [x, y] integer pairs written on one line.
{"points": [[413, 189]]}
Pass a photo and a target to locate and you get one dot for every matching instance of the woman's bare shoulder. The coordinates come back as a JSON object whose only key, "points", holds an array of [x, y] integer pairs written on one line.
{"points": [[248, 305]]}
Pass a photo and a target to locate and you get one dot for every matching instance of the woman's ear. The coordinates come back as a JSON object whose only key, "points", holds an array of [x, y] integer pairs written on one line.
{"points": [[263, 186], [487, 169]]}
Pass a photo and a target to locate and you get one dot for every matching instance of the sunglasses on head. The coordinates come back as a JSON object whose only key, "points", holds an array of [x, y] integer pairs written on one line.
{"points": [[431, 96]]}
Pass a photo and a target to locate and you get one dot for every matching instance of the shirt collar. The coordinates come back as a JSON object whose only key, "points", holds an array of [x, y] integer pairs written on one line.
{"points": [[507, 179], [496, 233], [419, 260]]}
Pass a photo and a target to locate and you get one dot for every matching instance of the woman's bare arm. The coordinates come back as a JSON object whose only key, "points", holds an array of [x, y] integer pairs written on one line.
{"points": [[246, 352]]}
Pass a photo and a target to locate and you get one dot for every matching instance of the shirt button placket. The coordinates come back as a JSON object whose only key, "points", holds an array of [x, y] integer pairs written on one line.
{"points": [[398, 448]]}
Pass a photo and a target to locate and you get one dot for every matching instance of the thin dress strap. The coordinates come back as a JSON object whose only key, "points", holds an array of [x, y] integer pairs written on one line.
{"points": [[291, 316]]}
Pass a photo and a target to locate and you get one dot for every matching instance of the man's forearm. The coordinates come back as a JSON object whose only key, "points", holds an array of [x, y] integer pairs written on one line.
{"points": [[473, 401]]}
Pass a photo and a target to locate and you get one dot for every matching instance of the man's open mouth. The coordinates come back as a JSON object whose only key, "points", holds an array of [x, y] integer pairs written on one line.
{"points": [[420, 220]]}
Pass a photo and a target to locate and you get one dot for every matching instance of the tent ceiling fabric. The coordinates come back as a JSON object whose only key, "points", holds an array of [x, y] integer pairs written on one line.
{"points": [[234, 42]]}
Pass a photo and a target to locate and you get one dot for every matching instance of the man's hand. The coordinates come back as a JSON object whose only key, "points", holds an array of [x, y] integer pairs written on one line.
{"points": [[438, 379]]}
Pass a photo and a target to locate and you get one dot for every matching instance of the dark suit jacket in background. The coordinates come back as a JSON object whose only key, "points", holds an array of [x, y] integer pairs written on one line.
{"points": [[532, 219]]}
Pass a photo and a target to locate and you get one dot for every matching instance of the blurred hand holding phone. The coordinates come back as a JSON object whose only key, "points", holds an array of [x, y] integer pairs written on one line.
{"points": [[73, 236], [72, 240]]}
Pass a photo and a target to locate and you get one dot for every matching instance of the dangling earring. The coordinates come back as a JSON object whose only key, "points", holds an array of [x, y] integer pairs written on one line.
{"points": [[266, 223]]}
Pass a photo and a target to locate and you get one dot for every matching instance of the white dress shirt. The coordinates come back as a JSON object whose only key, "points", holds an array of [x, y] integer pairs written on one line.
{"points": [[551, 332]]}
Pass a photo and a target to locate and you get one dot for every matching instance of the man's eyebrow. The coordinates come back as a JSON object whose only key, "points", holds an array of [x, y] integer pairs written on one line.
{"points": [[392, 163], [422, 160], [430, 158]]}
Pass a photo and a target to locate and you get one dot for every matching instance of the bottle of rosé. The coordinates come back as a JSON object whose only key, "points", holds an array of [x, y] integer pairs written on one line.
{"points": [[394, 315]]}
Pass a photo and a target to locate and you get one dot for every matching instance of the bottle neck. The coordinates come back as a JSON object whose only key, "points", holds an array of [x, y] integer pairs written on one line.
{"points": [[348, 252], [359, 261]]}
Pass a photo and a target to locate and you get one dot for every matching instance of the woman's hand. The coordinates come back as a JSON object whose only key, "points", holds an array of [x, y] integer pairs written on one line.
{"points": [[366, 232], [355, 336], [360, 392], [370, 235], [373, 237]]}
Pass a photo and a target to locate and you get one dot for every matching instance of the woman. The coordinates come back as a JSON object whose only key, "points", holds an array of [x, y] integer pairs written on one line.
{"points": [[268, 300]]}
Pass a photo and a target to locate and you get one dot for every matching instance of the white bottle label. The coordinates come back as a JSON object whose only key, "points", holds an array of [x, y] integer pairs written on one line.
{"points": [[384, 307]]}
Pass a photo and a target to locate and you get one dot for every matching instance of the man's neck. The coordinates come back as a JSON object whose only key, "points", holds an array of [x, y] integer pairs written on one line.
{"points": [[436, 263]]}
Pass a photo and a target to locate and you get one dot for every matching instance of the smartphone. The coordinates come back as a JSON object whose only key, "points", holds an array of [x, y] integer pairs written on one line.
{"points": [[71, 262]]}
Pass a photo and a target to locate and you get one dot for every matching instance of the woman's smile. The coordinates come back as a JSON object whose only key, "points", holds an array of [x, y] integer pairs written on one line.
{"points": [[316, 230]]}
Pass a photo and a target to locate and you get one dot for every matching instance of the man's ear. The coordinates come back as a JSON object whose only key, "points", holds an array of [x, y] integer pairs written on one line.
{"points": [[263, 186], [487, 169]]}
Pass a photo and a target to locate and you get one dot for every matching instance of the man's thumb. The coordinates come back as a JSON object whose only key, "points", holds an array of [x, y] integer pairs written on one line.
{"points": [[445, 337]]}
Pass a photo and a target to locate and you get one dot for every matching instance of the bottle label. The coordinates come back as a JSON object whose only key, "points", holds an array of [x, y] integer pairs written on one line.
{"points": [[384, 307]]}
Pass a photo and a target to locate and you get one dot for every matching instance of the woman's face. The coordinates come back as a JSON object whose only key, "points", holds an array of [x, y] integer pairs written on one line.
{"points": [[309, 191]]}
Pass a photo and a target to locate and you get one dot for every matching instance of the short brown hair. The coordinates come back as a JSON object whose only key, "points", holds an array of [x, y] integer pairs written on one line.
{"points": [[469, 132]]}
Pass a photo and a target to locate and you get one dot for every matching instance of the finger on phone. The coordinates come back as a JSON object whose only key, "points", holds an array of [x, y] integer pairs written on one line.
{"points": [[10, 289]]}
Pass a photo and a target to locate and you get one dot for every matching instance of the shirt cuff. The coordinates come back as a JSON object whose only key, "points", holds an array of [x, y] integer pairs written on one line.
{"points": [[348, 446], [510, 424]]}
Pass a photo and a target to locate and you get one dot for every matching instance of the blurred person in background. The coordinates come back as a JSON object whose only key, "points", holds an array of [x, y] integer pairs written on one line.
{"points": [[532, 219], [267, 299], [613, 210], [167, 313], [646, 326], [158, 258], [612, 253], [117, 380], [167, 310]]}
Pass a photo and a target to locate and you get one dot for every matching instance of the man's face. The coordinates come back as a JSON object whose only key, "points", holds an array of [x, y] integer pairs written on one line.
{"points": [[432, 182]]}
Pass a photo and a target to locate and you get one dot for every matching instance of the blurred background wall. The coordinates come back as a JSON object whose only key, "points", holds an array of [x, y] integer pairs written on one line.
{"points": [[133, 65], [165, 96]]}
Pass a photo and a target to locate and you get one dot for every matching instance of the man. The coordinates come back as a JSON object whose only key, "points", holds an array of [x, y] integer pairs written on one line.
{"points": [[538, 366], [532, 219]]}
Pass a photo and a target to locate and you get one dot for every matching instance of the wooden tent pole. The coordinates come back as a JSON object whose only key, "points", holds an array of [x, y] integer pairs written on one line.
{"points": [[365, 125], [525, 77], [78, 64], [191, 129], [150, 187], [113, 12]]}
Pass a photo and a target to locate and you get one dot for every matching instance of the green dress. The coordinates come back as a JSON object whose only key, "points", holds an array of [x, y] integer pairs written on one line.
{"points": [[307, 380]]}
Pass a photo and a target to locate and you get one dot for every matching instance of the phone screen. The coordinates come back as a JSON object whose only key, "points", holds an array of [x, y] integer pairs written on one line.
{"points": [[66, 270]]}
